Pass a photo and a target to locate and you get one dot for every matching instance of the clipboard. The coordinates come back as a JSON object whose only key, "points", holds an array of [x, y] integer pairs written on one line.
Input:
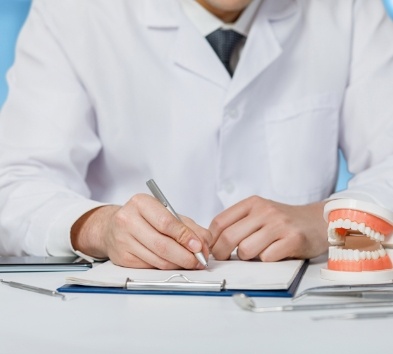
{"points": [[179, 284]]}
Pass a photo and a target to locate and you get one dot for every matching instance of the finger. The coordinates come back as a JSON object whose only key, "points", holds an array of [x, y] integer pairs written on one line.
{"points": [[129, 260], [277, 251], [167, 224], [223, 221], [251, 246], [234, 235], [133, 254], [162, 248], [203, 234]]}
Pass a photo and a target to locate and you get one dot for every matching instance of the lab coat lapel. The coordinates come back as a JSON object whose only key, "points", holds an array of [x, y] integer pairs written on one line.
{"points": [[194, 53], [262, 46], [191, 51]]}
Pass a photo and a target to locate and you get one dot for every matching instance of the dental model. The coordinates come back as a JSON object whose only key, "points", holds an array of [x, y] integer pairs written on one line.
{"points": [[358, 233]]}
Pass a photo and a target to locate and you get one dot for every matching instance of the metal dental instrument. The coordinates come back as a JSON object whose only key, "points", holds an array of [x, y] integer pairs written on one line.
{"points": [[365, 294], [33, 289], [376, 291], [355, 316], [156, 191], [246, 303]]}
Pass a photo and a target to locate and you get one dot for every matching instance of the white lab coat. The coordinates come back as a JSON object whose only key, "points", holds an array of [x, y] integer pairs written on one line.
{"points": [[105, 95]]}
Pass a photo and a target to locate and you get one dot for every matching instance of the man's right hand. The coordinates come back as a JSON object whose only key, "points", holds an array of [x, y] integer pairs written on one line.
{"points": [[141, 234]]}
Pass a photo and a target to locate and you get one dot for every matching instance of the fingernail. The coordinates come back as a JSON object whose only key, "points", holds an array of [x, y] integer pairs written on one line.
{"points": [[194, 245]]}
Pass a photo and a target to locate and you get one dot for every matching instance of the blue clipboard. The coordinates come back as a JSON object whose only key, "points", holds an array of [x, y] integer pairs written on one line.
{"points": [[290, 292]]}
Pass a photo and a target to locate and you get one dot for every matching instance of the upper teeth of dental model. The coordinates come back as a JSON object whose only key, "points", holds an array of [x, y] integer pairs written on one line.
{"points": [[334, 228]]}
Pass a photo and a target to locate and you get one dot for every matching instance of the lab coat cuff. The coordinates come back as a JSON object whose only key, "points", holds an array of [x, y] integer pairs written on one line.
{"points": [[59, 240]]}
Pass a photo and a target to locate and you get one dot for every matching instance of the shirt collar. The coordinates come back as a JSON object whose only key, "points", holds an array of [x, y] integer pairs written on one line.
{"points": [[207, 23]]}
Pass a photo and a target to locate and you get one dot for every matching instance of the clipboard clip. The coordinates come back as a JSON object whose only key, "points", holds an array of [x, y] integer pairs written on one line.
{"points": [[176, 282]]}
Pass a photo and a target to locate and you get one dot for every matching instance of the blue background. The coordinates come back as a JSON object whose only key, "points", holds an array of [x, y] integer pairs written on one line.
{"points": [[12, 15]]}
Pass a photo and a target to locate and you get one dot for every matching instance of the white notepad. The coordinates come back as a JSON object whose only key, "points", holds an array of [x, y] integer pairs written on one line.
{"points": [[238, 275]]}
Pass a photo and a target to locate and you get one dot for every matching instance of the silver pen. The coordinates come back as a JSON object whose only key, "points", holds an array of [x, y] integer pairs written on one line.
{"points": [[33, 289], [156, 191]]}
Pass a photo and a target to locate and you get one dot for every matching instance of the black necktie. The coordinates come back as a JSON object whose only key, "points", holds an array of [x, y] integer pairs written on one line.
{"points": [[224, 42]]}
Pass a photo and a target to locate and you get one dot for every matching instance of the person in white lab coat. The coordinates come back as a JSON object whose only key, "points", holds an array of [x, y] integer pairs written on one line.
{"points": [[105, 95]]}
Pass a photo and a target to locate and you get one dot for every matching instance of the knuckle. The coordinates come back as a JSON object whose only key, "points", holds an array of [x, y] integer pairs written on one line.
{"points": [[164, 221], [226, 238], [183, 235], [207, 236], [121, 218], [136, 199], [245, 251], [271, 210], [216, 225], [253, 199], [161, 247]]}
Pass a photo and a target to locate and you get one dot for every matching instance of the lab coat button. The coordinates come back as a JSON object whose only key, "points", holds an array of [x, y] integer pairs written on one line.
{"points": [[232, 114], [229, 187]]}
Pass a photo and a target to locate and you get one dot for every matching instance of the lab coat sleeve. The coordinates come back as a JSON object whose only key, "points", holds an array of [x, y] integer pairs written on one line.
{"points": [[366, 136], [47, 139]]}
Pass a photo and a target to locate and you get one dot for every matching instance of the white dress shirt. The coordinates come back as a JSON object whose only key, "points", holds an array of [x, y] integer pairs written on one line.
{"points": [[207, 23], [105, 95]]}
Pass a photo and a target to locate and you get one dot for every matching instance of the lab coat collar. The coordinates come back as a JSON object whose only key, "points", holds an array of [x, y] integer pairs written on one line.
{"points": [[193, 52], [262, 46], [161, 14]]}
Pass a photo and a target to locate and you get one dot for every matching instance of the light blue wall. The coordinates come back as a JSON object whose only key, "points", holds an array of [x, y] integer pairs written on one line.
{"points": [[12, 16], [389, 7], [343, 174]]}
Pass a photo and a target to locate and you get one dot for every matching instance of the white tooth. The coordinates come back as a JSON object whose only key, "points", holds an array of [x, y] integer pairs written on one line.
{"points": [[368, 255], [367, 231], [382, 252], [339, 254], [339, 223], [361, 227], [347, 224], [354, 225], [382, 237], [377, 236], [334, 238], [350, 255], [332, 253], [374, 255], [335, 254], [372, 233], [356, 255], [363, 255], [330, 225], [345, 255]]}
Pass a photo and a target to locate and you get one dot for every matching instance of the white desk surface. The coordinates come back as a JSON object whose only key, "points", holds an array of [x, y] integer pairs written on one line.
{"points": [[102, 323]]}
